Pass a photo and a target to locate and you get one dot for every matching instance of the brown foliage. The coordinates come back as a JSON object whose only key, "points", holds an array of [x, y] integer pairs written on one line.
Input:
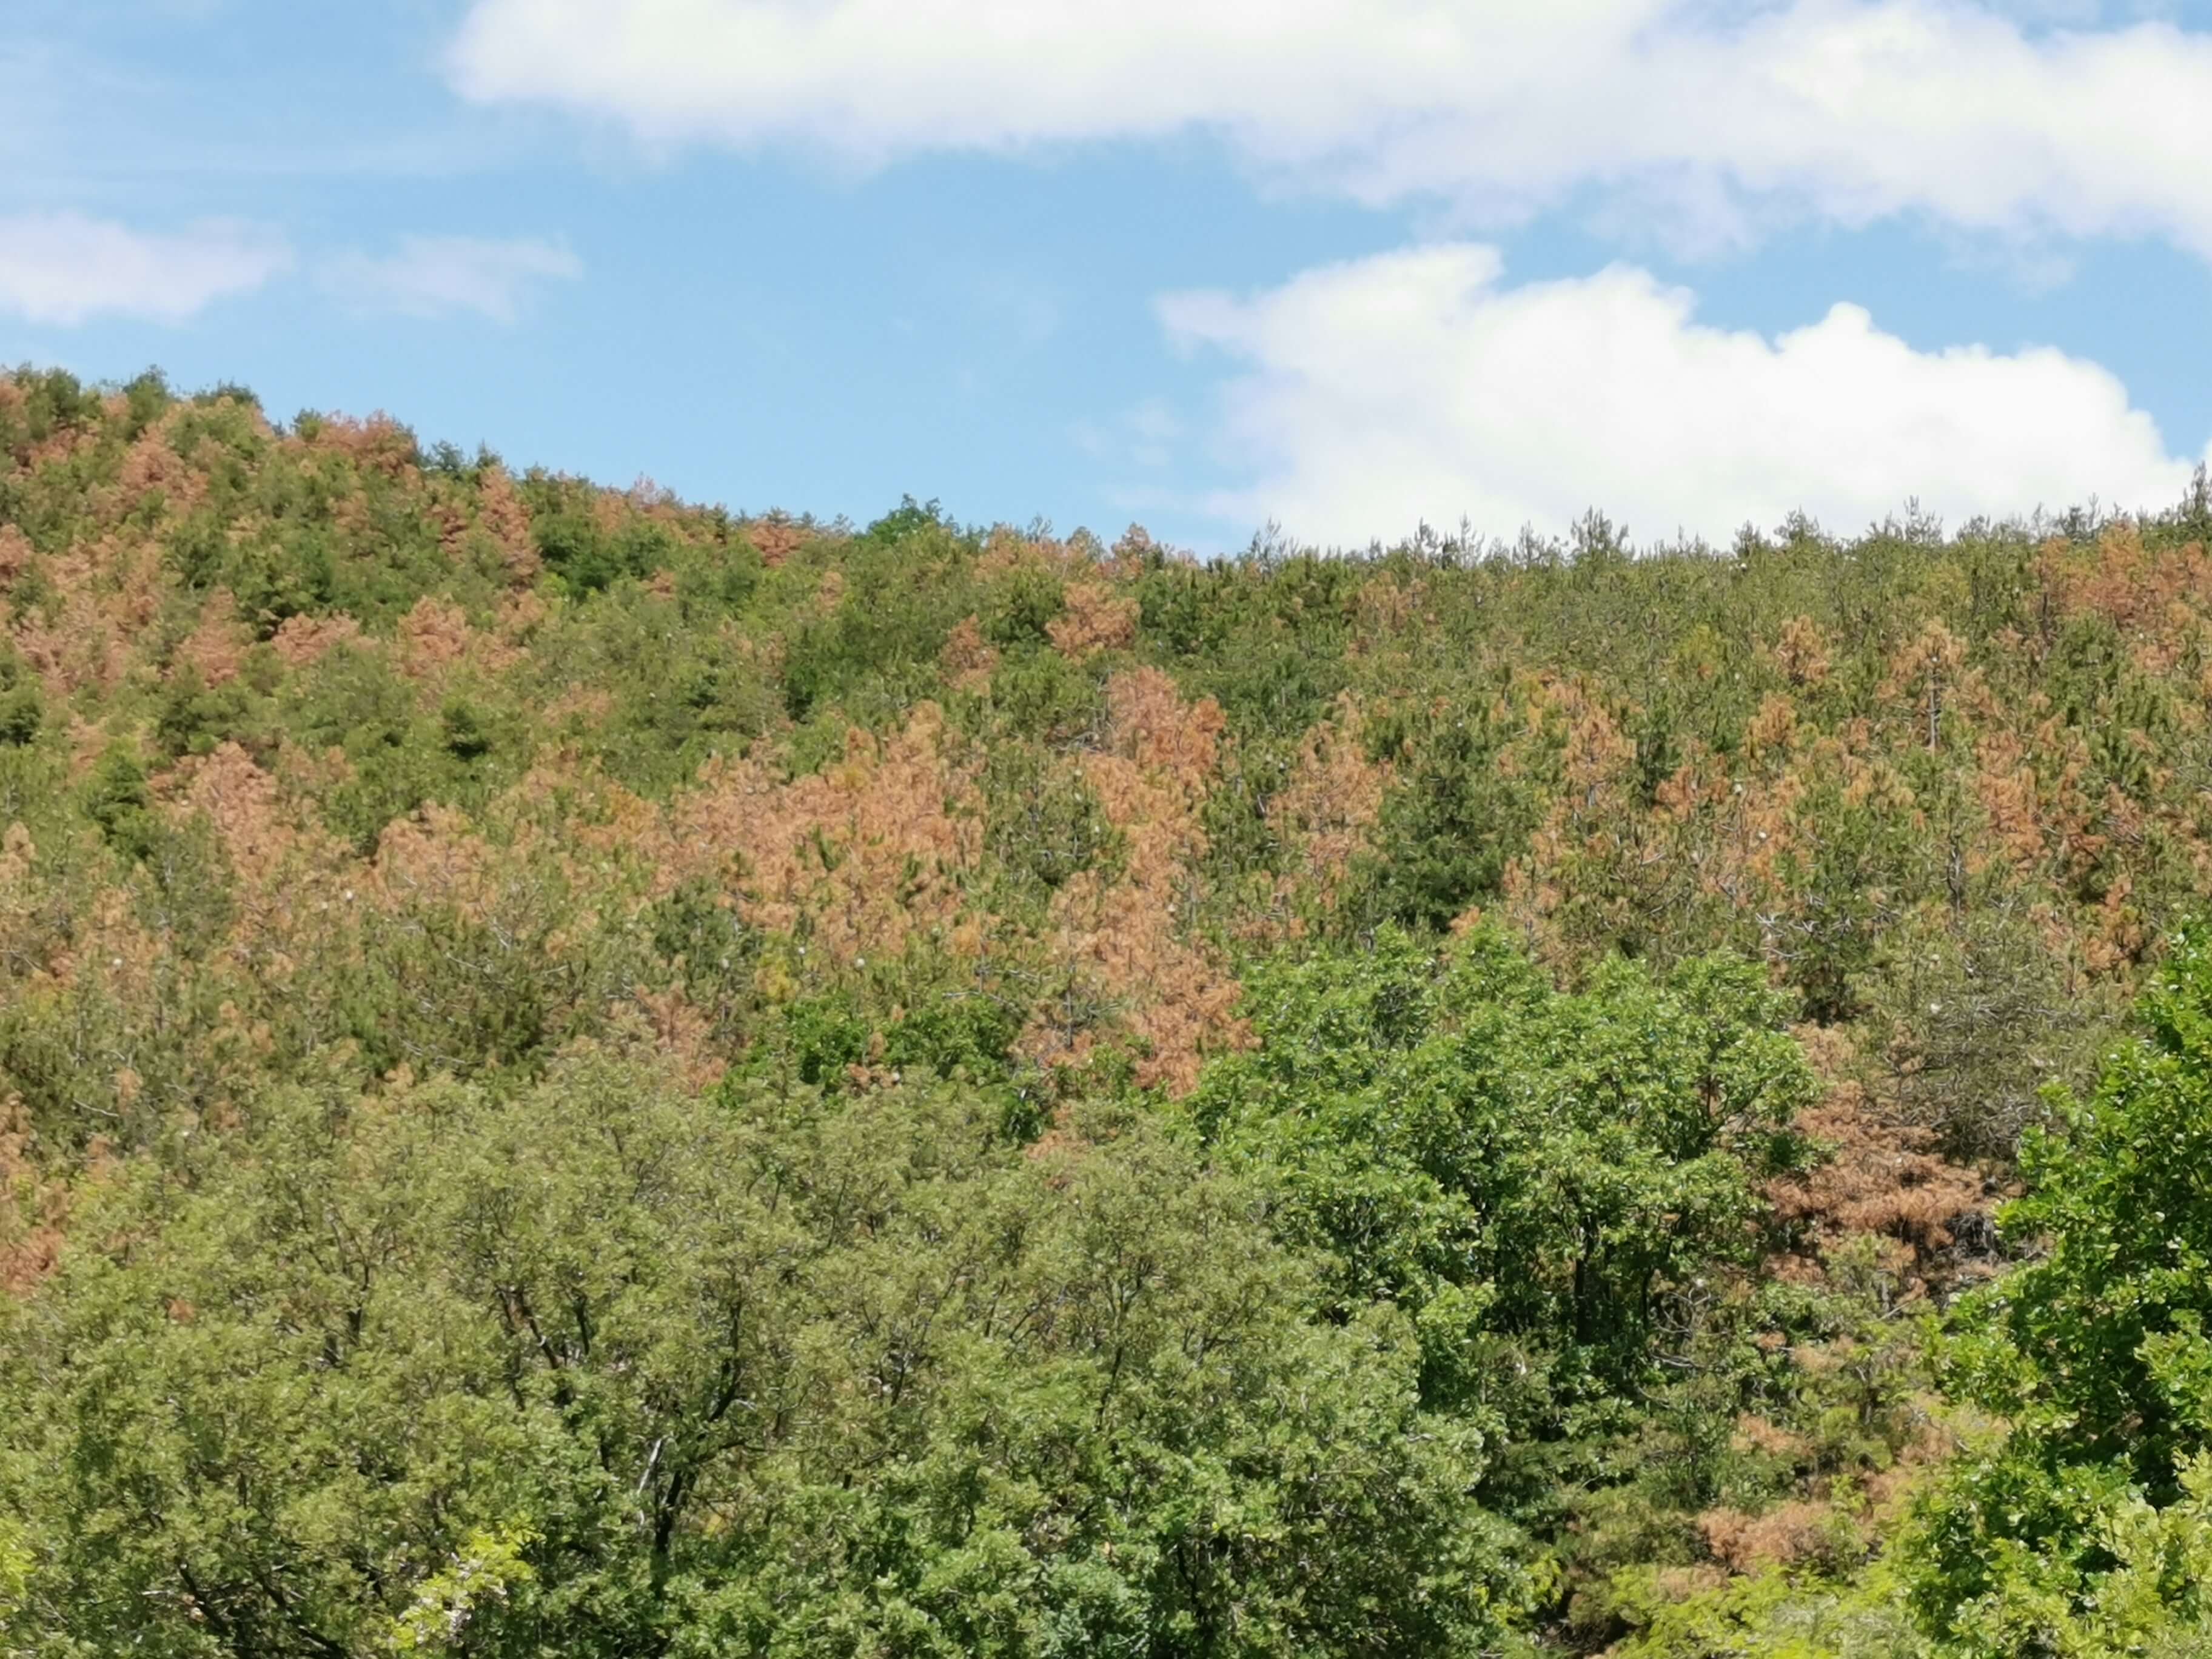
{"points": [[2010, 792], [1882, 1178], [683, 1033], [1754, 1433], [1324, 814], [31, 1210], [1094, 620], [435, 638], [435, 856], [108, 592], [1162, 734], [968, 660], [245, 806], [501, 515], [1773, 730], [776, 538], [2155, 596], [1801, 653], [300, 641], [858, 859], [1788, 1535], [1128, 948], [152, 466], [1386, 609], [33, 926], [521, 615], [16, 553], [217, 645], [378, 444], [1926, 672]]}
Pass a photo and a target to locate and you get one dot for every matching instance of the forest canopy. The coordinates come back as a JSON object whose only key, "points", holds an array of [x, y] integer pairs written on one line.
{"points": [[585, 1075]]}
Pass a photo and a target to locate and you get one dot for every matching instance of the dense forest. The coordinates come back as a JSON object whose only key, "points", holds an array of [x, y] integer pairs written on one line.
{"points": [[586, 1076]]}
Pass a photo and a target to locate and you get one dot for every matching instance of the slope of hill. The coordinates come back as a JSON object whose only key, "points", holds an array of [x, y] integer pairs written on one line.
{"points": [[584, 1074]]}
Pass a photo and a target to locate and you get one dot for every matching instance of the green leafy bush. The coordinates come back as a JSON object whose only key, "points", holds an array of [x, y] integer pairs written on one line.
{"points": [[2076, 1527]]}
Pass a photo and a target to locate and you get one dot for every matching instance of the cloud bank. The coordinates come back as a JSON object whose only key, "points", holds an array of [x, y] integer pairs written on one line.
{"points": [[1710, 118], [1418, 385], [431, 276], [64, 268]]}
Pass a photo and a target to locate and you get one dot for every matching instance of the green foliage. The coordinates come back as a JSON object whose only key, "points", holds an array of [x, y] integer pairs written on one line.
{"points": [[1972, 1022], [1040, 695], [193, 718], [876, 652], [398, 754], [1768, 1616], [588, 558], [2094, 1501], [677, 692], [697, 930], [1830, 938], [598, 1368], [1018, 610], [452, 1611], [910, 519], [472, 985], [2107, 1319], [23, 702], [1540, 1180], [1454, 823], [959, 1035], [1046, 823], [114, 798], [48, 402], [549, 1104], [16, 1561], [185, 889], [2015, 1560], [826, 1036]]}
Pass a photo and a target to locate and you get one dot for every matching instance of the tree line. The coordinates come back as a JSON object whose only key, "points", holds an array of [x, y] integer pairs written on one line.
{"points": [[581, 1074]]}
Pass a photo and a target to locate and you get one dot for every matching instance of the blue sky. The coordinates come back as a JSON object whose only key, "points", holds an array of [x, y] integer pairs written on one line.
{"points": [[1345, 264]]}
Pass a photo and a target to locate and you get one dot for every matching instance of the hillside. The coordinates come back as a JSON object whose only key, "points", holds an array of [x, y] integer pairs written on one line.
{"points": [[583, 1074]]}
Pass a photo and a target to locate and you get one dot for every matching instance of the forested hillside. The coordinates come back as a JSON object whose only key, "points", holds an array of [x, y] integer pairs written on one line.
{"points": [[582, 1075]]}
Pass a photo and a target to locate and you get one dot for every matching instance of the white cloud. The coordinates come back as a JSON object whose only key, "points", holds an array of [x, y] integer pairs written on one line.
{"points": [[1712, 116], [446, 276], [1418, 386], [66, 269]]}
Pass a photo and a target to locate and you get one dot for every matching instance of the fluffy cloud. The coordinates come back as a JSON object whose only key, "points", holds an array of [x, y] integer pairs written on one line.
{"points": [[1712, 116], [449, 276], [66, 269], [1418, 385]]}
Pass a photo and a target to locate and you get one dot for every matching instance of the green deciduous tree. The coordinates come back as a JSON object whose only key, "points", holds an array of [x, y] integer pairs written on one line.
{"points": [[1542, 1180], [601, 1367], [2097, 1354]]}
